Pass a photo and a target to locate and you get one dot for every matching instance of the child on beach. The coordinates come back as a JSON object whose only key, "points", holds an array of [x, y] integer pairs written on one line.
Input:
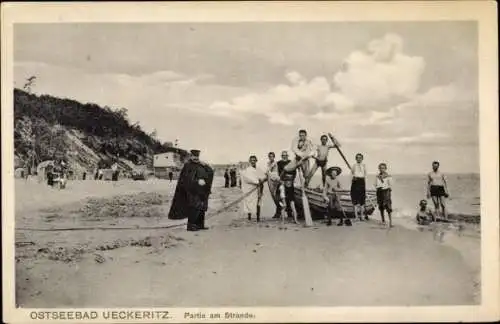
{"points": [[332, 186], [424, 214], [383, 185], [358, 187], [437, 189], [321, 159]]}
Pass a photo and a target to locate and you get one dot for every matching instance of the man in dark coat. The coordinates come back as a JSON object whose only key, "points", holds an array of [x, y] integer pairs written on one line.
{"points": [[232, 175], [192, 192], [226, 178]]}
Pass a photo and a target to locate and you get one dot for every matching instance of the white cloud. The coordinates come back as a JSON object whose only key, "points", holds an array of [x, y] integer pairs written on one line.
{"points": [[381, 76], [287, 104], [372, 80]]}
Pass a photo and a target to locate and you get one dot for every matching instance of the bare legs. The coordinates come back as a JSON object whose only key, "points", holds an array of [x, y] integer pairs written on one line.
{"points": [[382, 217], [313, 170], [440, 203], [359, 212]]}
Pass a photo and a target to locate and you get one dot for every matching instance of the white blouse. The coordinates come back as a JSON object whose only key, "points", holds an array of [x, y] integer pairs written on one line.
{"points": [[359, 170], [386, 184]]}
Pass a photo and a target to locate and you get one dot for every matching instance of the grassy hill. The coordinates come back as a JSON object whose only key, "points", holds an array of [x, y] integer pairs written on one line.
{"points": [[84, 135]]}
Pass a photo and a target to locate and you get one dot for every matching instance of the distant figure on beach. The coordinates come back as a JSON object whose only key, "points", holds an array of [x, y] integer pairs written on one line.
{"points": [[273, 180], [304, 152], [170, 176], [288, 179], [383, 185], [62, 180], [49, 175], [424, 214], [84, 175], [330, 190], [192, 193], [114, 175], [252, 179], [226, 178], [321, 159], [358, 187], [437, 189], [232, 175]]}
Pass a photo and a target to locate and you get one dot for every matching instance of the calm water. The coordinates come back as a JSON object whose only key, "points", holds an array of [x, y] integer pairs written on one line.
{"points": [[408, 190]]}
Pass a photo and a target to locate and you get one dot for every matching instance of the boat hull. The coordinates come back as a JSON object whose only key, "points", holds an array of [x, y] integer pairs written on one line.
{"points": [[319, 206]]}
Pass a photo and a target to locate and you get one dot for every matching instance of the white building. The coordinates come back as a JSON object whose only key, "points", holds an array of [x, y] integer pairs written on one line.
{"points": [[171, 161]]}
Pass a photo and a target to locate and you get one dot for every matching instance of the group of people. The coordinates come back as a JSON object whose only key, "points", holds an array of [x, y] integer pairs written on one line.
{"points": [[281, 176], [230, 178], [57, 174], [195, 183]]}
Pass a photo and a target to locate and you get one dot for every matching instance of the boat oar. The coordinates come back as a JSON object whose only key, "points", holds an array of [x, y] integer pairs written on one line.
{"points": [[305, 201], [337, 146]]}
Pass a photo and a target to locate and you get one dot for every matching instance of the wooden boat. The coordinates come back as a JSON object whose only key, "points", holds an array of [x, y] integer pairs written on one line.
{"points": [[319, 206]]}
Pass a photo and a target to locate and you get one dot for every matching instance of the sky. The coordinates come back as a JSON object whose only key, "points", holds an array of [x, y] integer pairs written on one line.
{"points": [[404, 93]]}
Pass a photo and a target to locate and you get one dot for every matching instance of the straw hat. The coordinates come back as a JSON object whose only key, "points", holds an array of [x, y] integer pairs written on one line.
{"points": [[334, 168]]}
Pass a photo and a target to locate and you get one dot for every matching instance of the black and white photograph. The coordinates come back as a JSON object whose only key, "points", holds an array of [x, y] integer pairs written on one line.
{"points": [[226, 164]]}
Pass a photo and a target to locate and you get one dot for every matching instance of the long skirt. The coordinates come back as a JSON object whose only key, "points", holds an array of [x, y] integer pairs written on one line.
{"points": [[358, 191]]}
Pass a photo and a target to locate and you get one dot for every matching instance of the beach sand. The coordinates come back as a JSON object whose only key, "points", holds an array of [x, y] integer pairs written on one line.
{"points": [[235, 263]]}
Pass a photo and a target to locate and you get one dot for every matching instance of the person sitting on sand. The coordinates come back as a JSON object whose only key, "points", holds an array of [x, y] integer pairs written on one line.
{"points": [[437, 189], [358, 187], [383, 185], [321, 159], [424, 214], [332, 186]]}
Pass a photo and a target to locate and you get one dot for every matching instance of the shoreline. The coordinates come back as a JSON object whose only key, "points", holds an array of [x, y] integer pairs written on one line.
{"points": [[176, 259]]}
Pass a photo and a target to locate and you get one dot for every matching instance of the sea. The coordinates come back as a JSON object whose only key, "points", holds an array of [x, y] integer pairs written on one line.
{"points": [[408, 190]]}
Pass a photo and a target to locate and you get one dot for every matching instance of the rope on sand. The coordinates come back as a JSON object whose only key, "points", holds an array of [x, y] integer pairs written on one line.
{"points": [[210, 215]]}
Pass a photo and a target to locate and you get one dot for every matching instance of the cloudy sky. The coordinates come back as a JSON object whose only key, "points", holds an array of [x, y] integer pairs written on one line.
{"points": [[402, 93]]}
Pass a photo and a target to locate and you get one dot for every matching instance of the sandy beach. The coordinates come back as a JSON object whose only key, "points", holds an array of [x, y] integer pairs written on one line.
{"points": [[235, 263]]}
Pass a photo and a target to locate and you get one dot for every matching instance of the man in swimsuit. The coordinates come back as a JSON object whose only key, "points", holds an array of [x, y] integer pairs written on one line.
{"points": [[437, 189], [321, 159]]}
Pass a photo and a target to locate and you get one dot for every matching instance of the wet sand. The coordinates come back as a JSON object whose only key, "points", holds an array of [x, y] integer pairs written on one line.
{"points": [[235, 263]]}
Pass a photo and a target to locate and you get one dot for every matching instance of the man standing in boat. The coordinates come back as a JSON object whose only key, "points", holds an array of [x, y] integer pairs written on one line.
{"points": [[304, 152], [321, 159]]}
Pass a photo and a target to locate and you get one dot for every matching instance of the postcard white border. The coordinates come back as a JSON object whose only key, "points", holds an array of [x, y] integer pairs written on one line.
{"points": [[484, 12]]}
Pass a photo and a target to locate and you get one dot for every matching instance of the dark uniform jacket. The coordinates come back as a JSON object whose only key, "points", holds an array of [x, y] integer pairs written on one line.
{"points": [[191, 198]]}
